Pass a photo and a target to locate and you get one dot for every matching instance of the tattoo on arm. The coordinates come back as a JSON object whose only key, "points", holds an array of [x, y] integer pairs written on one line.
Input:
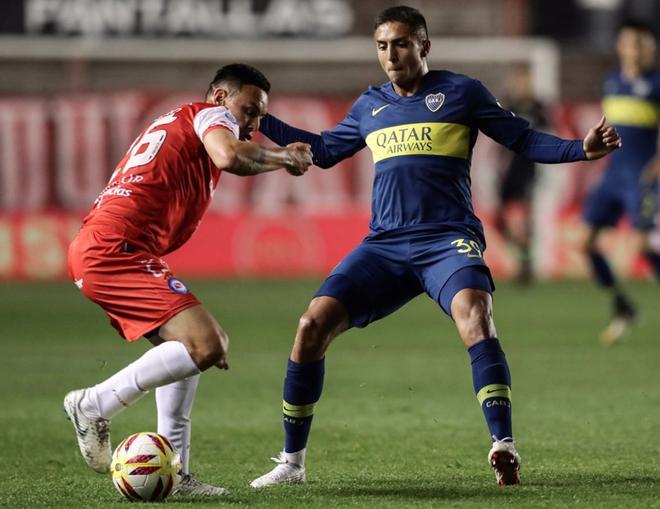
{"points": [[258, 162], [258, 159]]}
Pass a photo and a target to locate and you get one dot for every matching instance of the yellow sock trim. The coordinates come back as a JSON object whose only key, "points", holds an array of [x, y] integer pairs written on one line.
{"points": [[299, 411], [494, 391]]}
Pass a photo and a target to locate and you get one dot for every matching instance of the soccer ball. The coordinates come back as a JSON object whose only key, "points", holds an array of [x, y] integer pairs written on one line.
{"points": [[145, 466]]}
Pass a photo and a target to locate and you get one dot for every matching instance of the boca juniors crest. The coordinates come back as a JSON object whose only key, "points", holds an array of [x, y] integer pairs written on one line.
{"points": [[435, 101]]}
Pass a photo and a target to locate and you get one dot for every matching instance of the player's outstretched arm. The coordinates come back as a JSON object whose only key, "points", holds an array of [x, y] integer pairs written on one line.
{"points": [[514, 133], [601, 140], [245, 158], [329, 147]]}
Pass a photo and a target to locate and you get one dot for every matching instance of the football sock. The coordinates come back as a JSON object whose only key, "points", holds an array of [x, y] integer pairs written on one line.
{"points": [[174, 403], [605, 278], [654, 260], [297, 458], [302, 389], [601, 269], [492, 385], [162, 365]]}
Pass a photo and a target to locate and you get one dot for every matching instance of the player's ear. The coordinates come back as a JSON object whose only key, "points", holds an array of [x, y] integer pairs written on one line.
{"points": [[426, 48], [219, 96]]}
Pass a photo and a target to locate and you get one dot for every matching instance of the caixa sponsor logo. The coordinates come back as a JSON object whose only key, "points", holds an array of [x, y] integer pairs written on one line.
{"points": [[177, 286]]}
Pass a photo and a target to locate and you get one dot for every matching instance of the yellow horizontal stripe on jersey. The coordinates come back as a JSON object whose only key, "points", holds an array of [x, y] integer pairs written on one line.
{"points": [[494, 391], [424, 138], [631, 111], [299, 411]]}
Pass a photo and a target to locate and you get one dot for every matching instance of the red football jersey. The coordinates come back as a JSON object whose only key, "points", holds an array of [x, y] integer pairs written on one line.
{"points": [[159, 191]]}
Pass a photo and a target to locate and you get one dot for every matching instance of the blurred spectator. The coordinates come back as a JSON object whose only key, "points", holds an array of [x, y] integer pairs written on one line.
{"points": [[592, 23], [516, 185]]}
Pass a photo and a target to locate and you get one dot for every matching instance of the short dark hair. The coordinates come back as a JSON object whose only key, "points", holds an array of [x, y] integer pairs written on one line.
{"points": [[637, 25], [238, 75], [406, 15]]}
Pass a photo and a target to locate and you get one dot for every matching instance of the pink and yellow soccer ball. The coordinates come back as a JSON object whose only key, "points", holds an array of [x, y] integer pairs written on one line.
{"points": [[145, 466]]}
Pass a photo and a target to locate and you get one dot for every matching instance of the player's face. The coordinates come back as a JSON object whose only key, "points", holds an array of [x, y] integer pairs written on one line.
{"points": [[248, 105], [636, 48], [401, 52]]}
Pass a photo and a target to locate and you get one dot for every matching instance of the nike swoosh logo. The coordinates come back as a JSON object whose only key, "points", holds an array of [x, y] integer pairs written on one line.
{"points": [[376, 111], [490, 391]]}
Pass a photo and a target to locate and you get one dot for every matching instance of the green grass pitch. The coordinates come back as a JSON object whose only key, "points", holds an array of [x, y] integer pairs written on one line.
{"points": [[398, 424]]}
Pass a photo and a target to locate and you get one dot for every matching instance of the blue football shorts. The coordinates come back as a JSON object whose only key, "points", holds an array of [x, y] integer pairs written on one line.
{"points": [[610, 200], [386, 271]]}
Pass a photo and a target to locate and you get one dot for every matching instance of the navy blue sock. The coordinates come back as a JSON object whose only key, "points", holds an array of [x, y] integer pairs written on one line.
{"points": [[601, 269], [492, 385], [302, 389], [654, 260]]}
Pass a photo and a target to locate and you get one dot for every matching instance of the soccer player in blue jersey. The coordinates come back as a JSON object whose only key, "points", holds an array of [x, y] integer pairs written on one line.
{"points": [[630, 183], [421, 127]]}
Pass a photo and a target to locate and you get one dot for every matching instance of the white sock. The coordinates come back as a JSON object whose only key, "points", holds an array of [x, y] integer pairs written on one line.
{"points": [[162, 365], [174, 403], [298, 457]]}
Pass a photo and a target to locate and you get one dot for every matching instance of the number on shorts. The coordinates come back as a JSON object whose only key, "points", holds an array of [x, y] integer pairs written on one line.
{"points": [[470, 248]]}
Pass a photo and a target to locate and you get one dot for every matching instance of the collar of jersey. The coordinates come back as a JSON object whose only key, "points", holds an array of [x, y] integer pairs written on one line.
{"points": [[648, 75], [427, 83]]}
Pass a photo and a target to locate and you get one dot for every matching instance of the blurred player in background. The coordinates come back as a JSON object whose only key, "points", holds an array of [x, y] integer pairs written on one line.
{"points": [[421, 127], [629, 185], [513, 216], [151, 206]]}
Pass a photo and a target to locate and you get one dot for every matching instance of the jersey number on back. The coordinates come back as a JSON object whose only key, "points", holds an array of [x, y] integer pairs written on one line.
{"points": [[144, 149]]}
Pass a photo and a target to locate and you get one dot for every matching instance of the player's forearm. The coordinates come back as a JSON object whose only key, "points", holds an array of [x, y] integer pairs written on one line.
{"points": [[283, 134], [253, 159], [546, 148]]}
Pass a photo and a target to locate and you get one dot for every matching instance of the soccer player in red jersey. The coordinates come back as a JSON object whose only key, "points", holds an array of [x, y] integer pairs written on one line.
{"points": [[151, 206]]}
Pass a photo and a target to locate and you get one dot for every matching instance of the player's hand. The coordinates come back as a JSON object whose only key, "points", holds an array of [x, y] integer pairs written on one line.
{"points": [[600, 141], [224, 346], [301, 157]]}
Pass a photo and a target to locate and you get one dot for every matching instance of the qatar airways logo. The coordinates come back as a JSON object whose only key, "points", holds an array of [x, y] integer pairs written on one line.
{"points": [[405, 139], [423, 138]]}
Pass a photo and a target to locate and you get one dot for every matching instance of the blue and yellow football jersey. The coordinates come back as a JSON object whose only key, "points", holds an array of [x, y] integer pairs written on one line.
{"points": [[634, 109], [422, 148]]}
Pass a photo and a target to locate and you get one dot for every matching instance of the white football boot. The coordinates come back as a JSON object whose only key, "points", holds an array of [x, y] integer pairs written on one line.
{"points": [[624, 318], [93, 434], [290, 469], [192, 487], [505, 461]]}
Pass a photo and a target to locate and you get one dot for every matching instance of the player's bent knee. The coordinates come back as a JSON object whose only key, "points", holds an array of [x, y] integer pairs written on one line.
{"points": [[310, 329], [207, 350], [468, 302], [315, 332], [317, 327], [472, 311]]}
